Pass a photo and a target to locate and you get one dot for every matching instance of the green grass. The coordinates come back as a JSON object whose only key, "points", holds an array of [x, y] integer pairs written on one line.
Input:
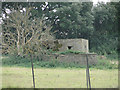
{"points": [[25, 62], [17, 77], [105, 64], [70, 51], [52, 74]]}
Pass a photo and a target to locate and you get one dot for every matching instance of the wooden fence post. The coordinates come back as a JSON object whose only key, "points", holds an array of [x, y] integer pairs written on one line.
{"points": [[87, 73], [32, 70]]}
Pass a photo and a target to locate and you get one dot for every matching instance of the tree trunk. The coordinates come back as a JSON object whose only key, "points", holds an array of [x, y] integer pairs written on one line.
{"points": [[23, 42], [18, 42]]}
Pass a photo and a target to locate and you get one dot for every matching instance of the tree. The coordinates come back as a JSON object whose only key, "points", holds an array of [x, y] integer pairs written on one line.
{"points": [[36, 11], [72, 20], [105, 36], [117, 6], [78, 20], [24, 33]]}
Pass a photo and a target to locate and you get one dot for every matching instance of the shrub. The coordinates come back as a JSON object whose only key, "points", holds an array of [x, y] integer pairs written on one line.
{"points": [[26, 62]]}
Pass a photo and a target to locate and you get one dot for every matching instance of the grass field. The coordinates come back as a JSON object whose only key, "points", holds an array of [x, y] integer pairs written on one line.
{"points": [[18, 77]]}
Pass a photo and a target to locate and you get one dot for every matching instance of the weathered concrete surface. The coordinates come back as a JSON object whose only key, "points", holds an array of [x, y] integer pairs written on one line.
{"points": [[74, 44], [78, 58]]}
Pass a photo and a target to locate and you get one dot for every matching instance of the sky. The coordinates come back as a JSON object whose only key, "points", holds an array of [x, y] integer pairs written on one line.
{"points": [[95, 1]]}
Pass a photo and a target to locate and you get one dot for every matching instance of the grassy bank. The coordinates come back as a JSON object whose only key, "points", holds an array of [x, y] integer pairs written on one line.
{"points": [[17, 77], [103, 63]]}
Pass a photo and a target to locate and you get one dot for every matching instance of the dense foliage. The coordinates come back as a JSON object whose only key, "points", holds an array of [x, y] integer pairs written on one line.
{"points": [[105, 35], [98, 24]]}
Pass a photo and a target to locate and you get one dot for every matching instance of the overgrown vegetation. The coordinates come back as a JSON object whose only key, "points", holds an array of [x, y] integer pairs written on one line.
{"points": [[28, 29], [70, 51], [25, 62]]}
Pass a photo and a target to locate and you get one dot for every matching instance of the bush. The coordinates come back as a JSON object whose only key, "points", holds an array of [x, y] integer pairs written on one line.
{"points": [[10, 60], [26, 62], [104, 64], [113, 56]]}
